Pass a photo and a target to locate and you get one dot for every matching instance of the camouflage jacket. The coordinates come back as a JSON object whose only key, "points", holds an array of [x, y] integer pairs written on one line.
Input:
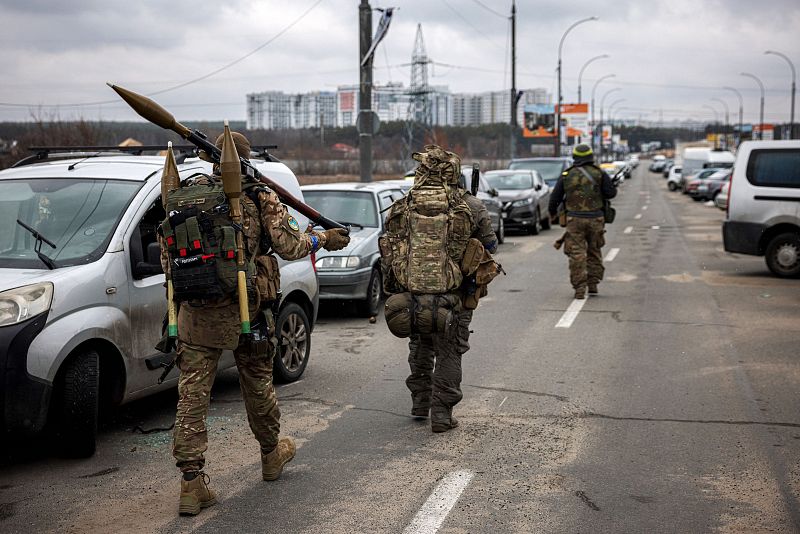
{"points": [[483, 223], [581, 196]]}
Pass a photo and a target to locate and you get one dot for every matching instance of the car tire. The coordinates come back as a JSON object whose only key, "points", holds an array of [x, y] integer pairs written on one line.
{"points": [[501, 232], [698, 199], [536, 226], [783, 255], [370, 306], [672, 186], [546, 223], [76, 404], [294, 343]]}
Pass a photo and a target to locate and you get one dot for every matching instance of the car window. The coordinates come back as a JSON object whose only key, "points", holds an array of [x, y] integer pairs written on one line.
{"points": [[354, 207], [774, 168], [522, 180], [549, 169], [78, 215], [385, 200]]}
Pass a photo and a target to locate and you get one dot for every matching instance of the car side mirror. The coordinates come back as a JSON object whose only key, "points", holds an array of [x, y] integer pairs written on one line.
{"points": [[538, 187], [493, 192], [152, 266]]}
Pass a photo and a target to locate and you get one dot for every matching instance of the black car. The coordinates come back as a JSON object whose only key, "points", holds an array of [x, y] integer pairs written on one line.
{"points": [[525, 197]]}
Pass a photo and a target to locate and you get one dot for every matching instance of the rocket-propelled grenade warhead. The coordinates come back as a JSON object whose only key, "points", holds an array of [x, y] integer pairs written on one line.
{"points": [[151, 111], [230, 166], [170, 178]]}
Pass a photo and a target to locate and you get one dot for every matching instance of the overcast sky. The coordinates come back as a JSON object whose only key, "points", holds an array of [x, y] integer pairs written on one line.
{"points": [[672, 56]]}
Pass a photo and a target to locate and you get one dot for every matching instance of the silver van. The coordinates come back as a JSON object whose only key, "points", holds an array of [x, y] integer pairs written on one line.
{"points": [[81, 291], [764, 205]]}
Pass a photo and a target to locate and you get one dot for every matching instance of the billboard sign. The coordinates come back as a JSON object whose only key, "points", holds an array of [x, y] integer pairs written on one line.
{"points": [[540, 120]]}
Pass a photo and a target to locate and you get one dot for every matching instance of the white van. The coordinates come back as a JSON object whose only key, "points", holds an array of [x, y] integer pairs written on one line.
{"points": [[764, 205], [698, 158], [82, 296]]}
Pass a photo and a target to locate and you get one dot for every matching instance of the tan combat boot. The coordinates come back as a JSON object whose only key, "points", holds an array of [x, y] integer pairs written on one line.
{"points": [[580, 293], [196, 495], [272, 462], [593, 289]]}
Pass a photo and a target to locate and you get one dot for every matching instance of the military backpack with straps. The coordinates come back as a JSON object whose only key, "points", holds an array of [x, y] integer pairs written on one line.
{"points": [[201, 243]]}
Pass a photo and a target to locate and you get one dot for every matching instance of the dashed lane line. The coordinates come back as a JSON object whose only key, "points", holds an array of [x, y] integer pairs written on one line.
{"points": [[644, 207], [655, 227], [628, 230], [433, 513], [637, 216], [571, 314], [611, 255]]}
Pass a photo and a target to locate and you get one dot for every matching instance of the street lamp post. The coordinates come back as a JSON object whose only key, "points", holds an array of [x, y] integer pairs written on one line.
{"points": [[761, 113], [791, 65], [557, 147], [610, 109], [727, 112], [602, 103], [741, 111], [716, 116], [594, 88], [580, 75]]}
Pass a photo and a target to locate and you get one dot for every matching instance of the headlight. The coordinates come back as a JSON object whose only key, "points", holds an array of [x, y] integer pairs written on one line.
{"points": [[523, 202], [22, 303], [338, 262]]}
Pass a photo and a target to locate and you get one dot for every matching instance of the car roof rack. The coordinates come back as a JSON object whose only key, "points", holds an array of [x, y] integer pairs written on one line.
{"points": [[54, 153]]}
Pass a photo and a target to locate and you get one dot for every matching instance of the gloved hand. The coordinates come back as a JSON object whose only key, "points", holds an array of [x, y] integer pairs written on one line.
{"points": [[336, 239]]}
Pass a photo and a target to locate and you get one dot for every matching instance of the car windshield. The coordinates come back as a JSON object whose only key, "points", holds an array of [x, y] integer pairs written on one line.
{"points": [[77, 215], [354, 207], [522, 180], [550, 170]]}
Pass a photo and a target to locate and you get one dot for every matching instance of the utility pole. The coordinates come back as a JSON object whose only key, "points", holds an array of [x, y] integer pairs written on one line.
{"points": [[365, 92], [513, 79]]}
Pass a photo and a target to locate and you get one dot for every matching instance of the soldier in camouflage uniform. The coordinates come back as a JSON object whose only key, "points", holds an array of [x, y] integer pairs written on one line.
{"points": [[583, 188], [438, 389], [207, 327]]}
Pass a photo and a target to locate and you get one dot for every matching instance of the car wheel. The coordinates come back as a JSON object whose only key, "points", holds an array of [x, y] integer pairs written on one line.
{"points": [[546, 223], [76, 405], [501, 232], [369, 307], [672, 186], [294, 343], [536, 226], [698, 199], [783, 255]]}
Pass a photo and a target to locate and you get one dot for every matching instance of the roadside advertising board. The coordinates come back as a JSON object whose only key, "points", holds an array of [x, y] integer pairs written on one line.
{"points": [[540, 120]]}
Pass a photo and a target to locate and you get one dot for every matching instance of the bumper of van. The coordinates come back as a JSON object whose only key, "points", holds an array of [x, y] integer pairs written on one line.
{"points": [[23, 398], [742, 237]]}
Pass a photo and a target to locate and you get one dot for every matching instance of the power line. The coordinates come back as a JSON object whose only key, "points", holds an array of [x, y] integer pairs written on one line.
{"points": [[242, 58], [182, 84], [489, 9], [471, 25]]}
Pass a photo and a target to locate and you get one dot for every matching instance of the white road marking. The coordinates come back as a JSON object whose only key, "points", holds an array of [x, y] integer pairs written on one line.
{"points": [[656, 227], [290, 384], [611, 254], [571, 314], [628, 230], [433, 513], [502, 402], [637, 216], [644, 207]]}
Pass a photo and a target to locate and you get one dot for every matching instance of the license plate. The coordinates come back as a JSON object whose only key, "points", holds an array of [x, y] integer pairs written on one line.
{"points": [[505, 215], [702, 188]]}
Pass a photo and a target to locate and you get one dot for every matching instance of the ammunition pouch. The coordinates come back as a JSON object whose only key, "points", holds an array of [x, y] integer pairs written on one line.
{"points": [[472, 257], [408, 314]]}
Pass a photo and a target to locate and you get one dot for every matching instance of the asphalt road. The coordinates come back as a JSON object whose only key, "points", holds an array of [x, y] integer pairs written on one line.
{"points": [[669, 404]]}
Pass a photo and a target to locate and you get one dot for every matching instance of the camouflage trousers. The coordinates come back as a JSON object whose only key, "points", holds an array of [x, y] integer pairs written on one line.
{"points": [[584, 240], [435, 362], [198, 367]]}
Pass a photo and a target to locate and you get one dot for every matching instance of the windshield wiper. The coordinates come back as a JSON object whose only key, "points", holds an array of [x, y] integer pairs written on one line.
{"points": [[344, 223], [38, 247]]}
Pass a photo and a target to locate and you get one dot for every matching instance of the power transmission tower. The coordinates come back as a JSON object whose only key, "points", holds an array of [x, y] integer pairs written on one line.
{"points": [[419, 108]]}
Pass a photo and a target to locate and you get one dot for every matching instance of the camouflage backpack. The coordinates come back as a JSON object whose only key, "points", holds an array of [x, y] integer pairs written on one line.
{"points": [[201, 243], [427, 231]]}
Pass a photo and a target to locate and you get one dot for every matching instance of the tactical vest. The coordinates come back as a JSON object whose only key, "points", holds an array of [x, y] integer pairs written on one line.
{"points": [[582, 192], [201, 243], [426, 236]]}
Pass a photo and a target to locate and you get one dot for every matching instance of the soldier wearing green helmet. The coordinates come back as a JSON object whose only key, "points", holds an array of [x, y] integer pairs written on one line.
{"points": [[583, 189]]}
